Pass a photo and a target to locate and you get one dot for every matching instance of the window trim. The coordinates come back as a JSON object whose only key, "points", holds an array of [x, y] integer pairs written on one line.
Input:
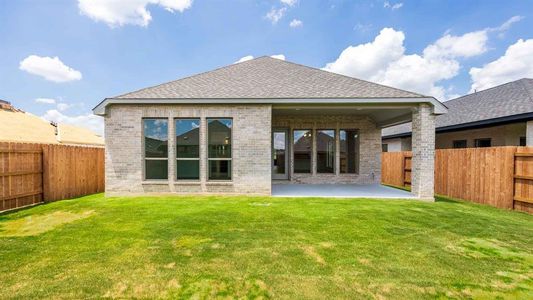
{"points": [[334, 151], [358, 153], [482, 139], [312, 131], [144, 158], [207, 167], [188, 158], [457, 141]]}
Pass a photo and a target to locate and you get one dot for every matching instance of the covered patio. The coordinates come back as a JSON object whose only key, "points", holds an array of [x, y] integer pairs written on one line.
{"points": [[339, 191]]}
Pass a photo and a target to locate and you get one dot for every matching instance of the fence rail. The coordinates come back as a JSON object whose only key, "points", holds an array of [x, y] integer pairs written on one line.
{"points": [[496, 176], [36, 173]]}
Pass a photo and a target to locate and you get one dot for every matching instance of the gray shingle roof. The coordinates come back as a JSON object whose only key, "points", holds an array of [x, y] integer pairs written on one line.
{"points": [[268, 78], [509, 99]]}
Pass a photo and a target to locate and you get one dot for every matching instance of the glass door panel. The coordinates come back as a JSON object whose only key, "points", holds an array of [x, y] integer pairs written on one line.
{"points": [[280, 161]]}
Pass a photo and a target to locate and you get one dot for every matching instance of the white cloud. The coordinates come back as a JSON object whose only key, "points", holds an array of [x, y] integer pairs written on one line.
{"points": [[51, 68], [289, 2], [296, 23], [89, 121], [45, 100], [395, 6], [516, 63], [507, 24], [63, 106], [278, 56], [122, 12], [384, 61], [244, 58], [274, 15]]}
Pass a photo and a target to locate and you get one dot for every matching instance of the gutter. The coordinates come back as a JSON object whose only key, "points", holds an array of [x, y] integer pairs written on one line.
{"points": [[438, 107]]}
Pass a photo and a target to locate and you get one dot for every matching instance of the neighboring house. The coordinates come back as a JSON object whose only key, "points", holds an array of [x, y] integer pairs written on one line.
{"points": [[239, 128], [20, 126], [499, 116]]}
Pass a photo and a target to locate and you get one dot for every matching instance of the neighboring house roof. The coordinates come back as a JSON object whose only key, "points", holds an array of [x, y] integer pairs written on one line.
{"points": [[265, 78], [508, 102], [69, 134], [19, 126]]}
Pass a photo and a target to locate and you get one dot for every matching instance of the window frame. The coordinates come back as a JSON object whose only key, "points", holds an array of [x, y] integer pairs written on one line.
{"points": [[311, 152], [459, 141], [358, 151], [208, 159], [476, 141], [143, 145], [188, 158], [334, 151]]}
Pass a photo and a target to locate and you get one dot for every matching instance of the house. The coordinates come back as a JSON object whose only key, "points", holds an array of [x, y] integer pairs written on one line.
{"points": [[499, 116], [20, 126], [243, 127]]}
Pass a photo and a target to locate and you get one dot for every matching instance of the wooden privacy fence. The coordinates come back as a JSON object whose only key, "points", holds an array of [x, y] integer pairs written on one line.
{"points": [[35, 173], [496, 176]]}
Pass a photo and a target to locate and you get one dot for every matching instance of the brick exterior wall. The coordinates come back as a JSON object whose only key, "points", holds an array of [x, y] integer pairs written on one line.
{"points": [[423, 161], [369, 147], [251, 148]]}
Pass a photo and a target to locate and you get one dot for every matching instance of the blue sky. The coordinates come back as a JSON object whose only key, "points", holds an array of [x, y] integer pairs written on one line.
{"points": [[105, 48]]}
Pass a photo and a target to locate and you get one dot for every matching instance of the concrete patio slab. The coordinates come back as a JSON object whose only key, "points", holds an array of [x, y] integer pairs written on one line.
{"points": [[338, 191]]}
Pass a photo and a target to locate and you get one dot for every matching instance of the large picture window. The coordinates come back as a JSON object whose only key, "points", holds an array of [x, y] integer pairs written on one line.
{"points": [[303, 141], [219, 148], [349, 151], [155, 148], [188, 149], [325, 151]]}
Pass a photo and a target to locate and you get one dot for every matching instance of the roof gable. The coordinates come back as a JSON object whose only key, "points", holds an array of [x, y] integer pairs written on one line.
{"points": [[268, 78]]}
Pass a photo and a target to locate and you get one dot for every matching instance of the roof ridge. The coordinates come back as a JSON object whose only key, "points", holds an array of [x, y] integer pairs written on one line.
{"points": [[342, 75], [528, 91], [190, 76]]}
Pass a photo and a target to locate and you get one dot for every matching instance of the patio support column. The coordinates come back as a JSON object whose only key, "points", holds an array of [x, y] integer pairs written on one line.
{"points": [[529, 133], [423, 145]]}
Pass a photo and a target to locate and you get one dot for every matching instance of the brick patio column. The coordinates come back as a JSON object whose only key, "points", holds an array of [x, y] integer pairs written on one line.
{"points": [[529, 133], [423, 147]]}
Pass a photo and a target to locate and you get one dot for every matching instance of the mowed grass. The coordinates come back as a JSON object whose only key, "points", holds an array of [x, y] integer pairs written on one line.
{"points": [[262, 247]]}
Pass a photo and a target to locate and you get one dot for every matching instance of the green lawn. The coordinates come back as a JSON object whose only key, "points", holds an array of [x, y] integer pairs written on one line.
{"points": [[244, 247]]}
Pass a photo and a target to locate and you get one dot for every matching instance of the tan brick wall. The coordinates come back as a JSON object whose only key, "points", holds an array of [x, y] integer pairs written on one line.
{"points": [[369, 145], [251, 164], [423, 161]]}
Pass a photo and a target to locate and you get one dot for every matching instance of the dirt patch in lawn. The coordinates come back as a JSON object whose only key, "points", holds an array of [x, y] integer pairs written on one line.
{"points": [[35, 225], [311, 251]]}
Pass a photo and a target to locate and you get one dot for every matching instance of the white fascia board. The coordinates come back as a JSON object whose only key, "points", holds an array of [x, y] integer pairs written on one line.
{"points": [[438, 107]]}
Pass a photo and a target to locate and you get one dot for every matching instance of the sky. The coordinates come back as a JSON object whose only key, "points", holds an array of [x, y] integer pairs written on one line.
{"points": [[60, 58]]}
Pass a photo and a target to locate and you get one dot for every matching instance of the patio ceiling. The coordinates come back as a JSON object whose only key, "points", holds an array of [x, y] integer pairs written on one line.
{"points": [[383, 115]]}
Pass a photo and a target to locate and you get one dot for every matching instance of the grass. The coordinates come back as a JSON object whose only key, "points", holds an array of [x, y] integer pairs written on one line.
{"points": [[248, 247]]}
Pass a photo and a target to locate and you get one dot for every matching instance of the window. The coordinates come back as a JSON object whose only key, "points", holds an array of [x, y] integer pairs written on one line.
{"points": [[303, 141], [188, 149], [384, 147], [459, 144], [219, 148], [522, 141], [325, 151], [481, 143], [349, 151], [155, 148]]}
